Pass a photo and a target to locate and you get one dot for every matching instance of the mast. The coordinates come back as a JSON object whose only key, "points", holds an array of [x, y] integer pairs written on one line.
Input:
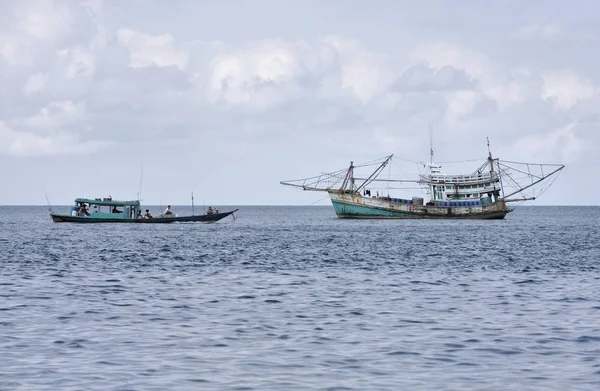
{"points": [[430, 144], [349, 178], [496, 192], [431, 184], [490, 159]]}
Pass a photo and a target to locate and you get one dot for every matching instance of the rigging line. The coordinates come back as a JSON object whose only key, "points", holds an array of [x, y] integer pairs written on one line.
{"points": [[407, 160], [508, 177], [48, 201], [320, 199], [460, 161], [400, 170], [507, 167], [536, 182], [543, 190], [536, 164]]}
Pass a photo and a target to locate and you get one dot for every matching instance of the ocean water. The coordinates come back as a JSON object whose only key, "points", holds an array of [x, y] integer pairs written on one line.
{"points": [[291, 298]]}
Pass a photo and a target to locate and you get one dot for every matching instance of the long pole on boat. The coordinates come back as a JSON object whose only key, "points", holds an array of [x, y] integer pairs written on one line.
{"points": [[193, 203], [430, 144], [432, 186], [141, 181]]}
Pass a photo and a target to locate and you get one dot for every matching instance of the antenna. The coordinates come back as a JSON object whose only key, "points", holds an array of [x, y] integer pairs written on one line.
{"points": [[430, 144], [141, 181]]}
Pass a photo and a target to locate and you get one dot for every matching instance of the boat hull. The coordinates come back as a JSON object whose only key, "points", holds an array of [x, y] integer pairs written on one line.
{"points": [[355, 206], [60, 218]]}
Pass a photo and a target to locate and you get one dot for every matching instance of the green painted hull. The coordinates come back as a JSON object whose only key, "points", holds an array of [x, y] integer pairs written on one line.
{"points": [[57, 218], [357, 207]]}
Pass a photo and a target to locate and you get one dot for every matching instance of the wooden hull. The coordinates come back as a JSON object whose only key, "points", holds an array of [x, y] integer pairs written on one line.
{"points": [[58, 218], [355, 206]]}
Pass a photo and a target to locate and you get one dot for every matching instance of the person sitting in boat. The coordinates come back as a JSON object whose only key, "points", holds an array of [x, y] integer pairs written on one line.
{"points": [[83, 210], [210, 210], [216, 211], [115, 210], [148, 215], [168, 211]]}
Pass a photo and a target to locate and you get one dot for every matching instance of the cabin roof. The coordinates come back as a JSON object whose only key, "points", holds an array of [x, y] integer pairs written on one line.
{"points": [[102, 202]]}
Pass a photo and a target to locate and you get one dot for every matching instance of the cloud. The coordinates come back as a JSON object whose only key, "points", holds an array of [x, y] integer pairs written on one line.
{"points": [[421, 78], [151, 51], [560, 144], [34, 84], [56, 115], [461, 103], [26, 144], [564, 89], [268, 74], [120, 81], [365, 73], [438, 55], [43, 19], [80, 61], [540, 31], [33, 25]]}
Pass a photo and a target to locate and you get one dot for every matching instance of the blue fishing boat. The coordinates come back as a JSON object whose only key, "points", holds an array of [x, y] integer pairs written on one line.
{"points": [[481, 194], [107, 210]]}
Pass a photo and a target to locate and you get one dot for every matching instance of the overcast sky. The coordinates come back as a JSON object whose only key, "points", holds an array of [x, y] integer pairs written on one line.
{"points": [[228, 97]]}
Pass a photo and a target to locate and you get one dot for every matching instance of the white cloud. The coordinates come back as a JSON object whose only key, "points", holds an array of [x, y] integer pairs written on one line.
{"points": [[442, 54], [271, 72], [80, 61], [26, 144], [491, 80], [15, 49], [560, 144], [56, 115], [43, 19], [364, 72], [565, 89], [461, 103], [540, 31], [151, 51], [34, 84], [73, 71], [264, 74]]}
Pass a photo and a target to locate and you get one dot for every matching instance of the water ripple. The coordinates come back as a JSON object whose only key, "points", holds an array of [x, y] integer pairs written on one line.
{"points": [[292, 298]]}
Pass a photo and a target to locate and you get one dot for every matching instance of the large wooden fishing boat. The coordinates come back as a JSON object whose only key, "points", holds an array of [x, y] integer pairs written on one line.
{"points": [[107, 210], [482, 194]]}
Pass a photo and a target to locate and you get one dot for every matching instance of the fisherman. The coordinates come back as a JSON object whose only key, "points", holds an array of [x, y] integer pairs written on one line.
{"points": [[148, 215], [216, 211], [210, 210], [83, 210], [168, 211]]}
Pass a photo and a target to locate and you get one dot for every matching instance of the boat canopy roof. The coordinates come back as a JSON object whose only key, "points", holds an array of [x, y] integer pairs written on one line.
{"points": [[105, 201]]}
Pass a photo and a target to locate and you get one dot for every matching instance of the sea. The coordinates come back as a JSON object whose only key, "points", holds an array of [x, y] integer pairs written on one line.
{"points": [[292, 298]]}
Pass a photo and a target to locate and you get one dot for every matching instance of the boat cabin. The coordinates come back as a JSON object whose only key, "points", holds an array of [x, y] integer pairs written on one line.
{"points": [[106, 208], [484, 187]]}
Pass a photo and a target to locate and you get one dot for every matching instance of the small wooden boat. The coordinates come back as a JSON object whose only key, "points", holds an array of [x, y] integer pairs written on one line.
{"points": [[107, 210]]}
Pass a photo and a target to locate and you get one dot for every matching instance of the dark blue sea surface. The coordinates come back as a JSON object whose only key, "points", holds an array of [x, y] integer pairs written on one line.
{"points": [[291, 298]]}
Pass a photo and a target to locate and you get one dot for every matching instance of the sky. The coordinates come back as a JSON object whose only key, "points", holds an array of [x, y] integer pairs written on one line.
{"points": [[226, 98]]}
